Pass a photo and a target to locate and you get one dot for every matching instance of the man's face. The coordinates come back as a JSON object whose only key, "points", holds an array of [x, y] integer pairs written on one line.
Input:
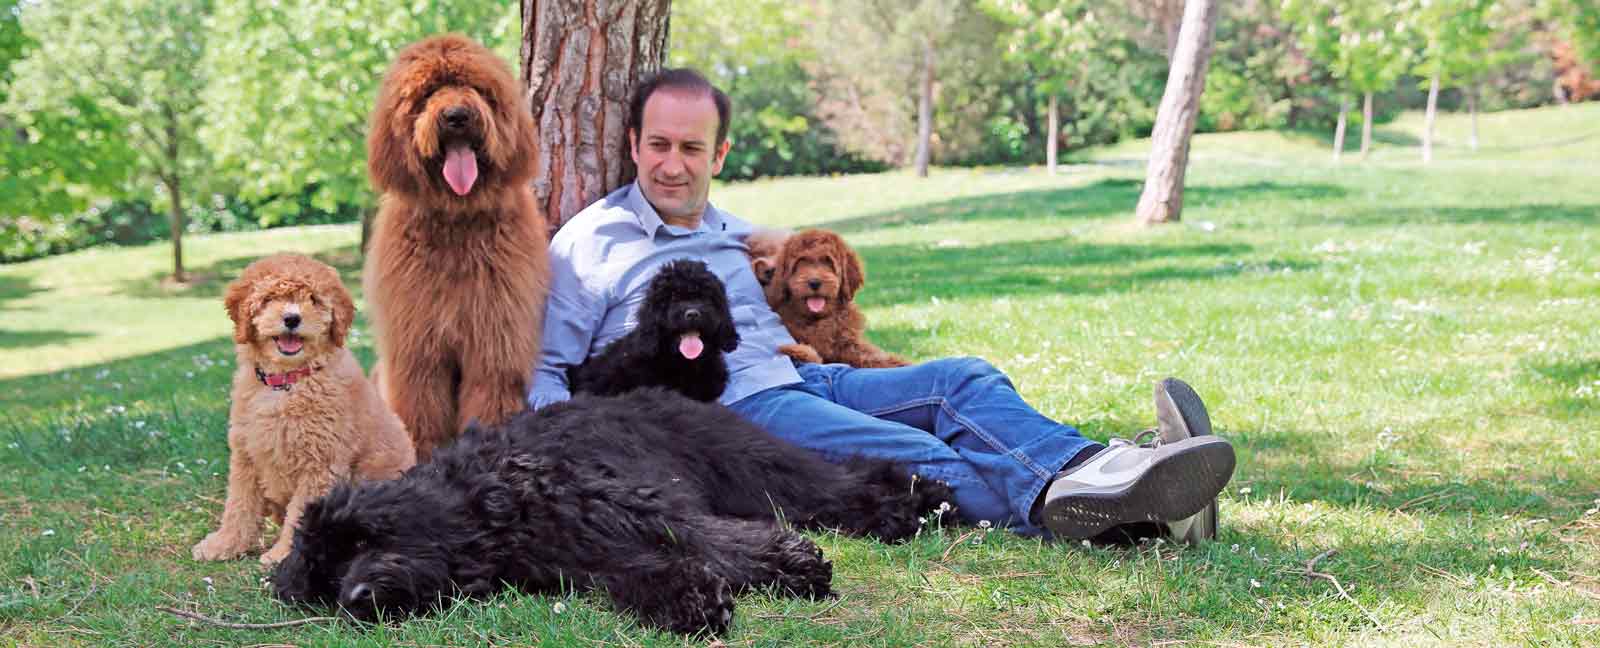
{"points": [[677, 155]]}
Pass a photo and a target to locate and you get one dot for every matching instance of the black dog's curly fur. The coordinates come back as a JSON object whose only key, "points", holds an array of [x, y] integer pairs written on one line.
{"points": [[671, 506], [684, 298]]}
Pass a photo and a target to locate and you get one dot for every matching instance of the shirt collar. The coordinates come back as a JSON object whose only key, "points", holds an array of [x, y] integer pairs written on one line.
{"points": [[651, 222]]}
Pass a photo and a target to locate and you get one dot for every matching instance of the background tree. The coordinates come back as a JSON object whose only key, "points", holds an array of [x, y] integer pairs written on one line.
{"points": [[1359, 42], [580, 61], [1162, 198], [134, 64], [879, 62], [1456, 39], [1058, 42]]}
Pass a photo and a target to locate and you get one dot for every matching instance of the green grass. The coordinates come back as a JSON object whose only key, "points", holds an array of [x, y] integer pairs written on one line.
{"points": [[1406, 358]]}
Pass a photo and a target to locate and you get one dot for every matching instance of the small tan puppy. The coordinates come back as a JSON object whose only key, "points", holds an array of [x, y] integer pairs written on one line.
{"points": [[303, 414], [813, 288]]}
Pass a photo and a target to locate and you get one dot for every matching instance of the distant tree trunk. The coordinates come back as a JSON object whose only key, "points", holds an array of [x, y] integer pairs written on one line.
{"points": [[1472, 105], [173, 179], [1433, 109], [1172, 24], [925, 109], [1366, 125], [1162, 198], [368, 214], [175, 191], [1338, 131], [1050, 144], [580, 60]]}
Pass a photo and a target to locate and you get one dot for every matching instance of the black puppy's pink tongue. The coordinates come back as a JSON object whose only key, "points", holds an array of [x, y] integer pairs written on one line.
{"points": [[460, 169], [690, 345]]}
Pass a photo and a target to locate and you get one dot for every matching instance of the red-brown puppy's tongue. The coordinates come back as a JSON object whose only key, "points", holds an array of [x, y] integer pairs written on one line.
{"points": [[816, 304], [289, 343], [690, 345], [460, 169]]}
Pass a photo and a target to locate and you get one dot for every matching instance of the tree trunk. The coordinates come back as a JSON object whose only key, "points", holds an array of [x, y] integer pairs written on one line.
{"points": [[925, 109], [1472, 106], [580, 61], [1366, 126], [1172, 14], [1050, 144], [175, 191], [1433, 111], [368, 214], [1338, 131], [1162, 199]]}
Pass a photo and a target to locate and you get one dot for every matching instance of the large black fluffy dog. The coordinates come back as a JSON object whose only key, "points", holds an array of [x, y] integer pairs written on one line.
{"points": [[670, 505], [684, 327]]}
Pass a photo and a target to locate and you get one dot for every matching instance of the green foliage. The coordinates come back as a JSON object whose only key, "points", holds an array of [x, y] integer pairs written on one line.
{"points": [[751, 50], [295, 82], [1581, 19]]}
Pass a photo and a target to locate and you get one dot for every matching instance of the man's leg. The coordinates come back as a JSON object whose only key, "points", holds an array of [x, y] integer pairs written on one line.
{"points": [[970, 406], [802, 416]]}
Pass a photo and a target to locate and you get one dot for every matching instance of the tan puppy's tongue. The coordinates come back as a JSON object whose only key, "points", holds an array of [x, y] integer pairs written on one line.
{"points": [[289, 343], [690, 345], [816, 304], [460, 169]]}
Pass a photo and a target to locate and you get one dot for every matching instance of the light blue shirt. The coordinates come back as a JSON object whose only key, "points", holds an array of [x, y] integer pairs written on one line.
{"points": [[601, 262]]}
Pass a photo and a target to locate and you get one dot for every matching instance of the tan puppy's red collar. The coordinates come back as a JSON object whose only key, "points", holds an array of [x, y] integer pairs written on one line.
{"points": [[282, 381]]}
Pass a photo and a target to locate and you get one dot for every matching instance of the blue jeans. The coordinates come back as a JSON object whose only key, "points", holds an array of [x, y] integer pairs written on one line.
{"points": [[957, 420]]}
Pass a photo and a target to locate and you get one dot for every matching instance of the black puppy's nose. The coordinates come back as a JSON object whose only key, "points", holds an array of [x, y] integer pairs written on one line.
{"points": [[359, 593], [692, 314], [814, 283], [291, 320], [457, 116]]}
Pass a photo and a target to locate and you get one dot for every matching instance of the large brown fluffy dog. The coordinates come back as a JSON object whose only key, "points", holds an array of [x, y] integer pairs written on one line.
{"points": [[813, 289], [457, 272], [303, 414]]}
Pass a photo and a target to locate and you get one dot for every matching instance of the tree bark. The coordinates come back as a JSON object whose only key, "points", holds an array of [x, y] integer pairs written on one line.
{"points": [[580, 60], [1051, 143], [1162, 198], [1472, 106], [1338, 131], [1366, 126], [1433, 111], [175, 191], [925, 109]]}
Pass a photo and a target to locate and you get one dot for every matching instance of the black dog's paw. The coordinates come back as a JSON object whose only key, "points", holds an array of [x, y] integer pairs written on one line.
{"points": [[801, 569], [701, 604]]}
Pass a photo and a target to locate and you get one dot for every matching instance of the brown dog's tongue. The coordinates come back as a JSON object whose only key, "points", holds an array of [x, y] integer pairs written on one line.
{"points": [[690, 345], [816, 304], [460, 169]]}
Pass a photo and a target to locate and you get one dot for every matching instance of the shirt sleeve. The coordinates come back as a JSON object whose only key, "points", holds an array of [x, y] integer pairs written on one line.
{"points": [[573, 312]]}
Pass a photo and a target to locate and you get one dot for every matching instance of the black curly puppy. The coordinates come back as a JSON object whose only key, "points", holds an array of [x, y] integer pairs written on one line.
{"points": [[671, 506], [684, 327]]}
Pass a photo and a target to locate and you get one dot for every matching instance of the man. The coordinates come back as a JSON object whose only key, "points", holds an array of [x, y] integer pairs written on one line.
{"points": [[958, 420]]}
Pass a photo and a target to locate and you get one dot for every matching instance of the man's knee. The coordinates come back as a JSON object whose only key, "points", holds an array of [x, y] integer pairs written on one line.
{"points": [[967, 367]]}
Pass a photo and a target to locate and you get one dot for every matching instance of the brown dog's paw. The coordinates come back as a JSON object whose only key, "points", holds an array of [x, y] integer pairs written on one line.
{"points": [[801, 352], [219, 547], [276, 554]]}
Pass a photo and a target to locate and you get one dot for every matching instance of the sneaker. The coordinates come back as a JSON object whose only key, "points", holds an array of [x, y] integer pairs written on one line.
{"points": [[1131, 481], [1180, 415]]}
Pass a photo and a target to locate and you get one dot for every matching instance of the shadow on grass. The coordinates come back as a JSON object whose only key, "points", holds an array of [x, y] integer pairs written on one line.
{"points": [[1323, 138], [211, 280], [13, 288], [900, 274], [1571, 376], [1507, 215], [1107, 197]]}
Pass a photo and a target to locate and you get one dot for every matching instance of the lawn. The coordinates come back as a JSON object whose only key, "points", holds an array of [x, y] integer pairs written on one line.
{"points": [[1405, 357]]}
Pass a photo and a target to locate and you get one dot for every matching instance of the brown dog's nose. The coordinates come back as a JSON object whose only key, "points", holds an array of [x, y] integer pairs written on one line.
{"points": [[291, 320], [814, 283], [457, 116]]}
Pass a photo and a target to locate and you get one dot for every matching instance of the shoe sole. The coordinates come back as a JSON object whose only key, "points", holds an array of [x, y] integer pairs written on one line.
{"points": [[1175, 486], [1203, 525]]}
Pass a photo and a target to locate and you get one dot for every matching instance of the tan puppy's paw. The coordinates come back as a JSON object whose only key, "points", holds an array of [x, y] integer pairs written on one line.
{"points": [[275, 555], [217, 546], [801, 352]]}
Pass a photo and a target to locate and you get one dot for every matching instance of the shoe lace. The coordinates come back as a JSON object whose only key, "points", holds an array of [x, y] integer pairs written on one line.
{"points": [[1148, 438]]}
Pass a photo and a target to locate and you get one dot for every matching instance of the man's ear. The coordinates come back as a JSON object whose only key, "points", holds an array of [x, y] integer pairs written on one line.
{"points": [[722, 156], [633, 146]]}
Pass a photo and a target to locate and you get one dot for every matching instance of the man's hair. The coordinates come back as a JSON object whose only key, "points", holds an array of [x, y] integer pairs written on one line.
{"points": [[682, 80]]}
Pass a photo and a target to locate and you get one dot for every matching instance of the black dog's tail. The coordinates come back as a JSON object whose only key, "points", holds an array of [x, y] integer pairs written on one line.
{"points": [[876, 498]]}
